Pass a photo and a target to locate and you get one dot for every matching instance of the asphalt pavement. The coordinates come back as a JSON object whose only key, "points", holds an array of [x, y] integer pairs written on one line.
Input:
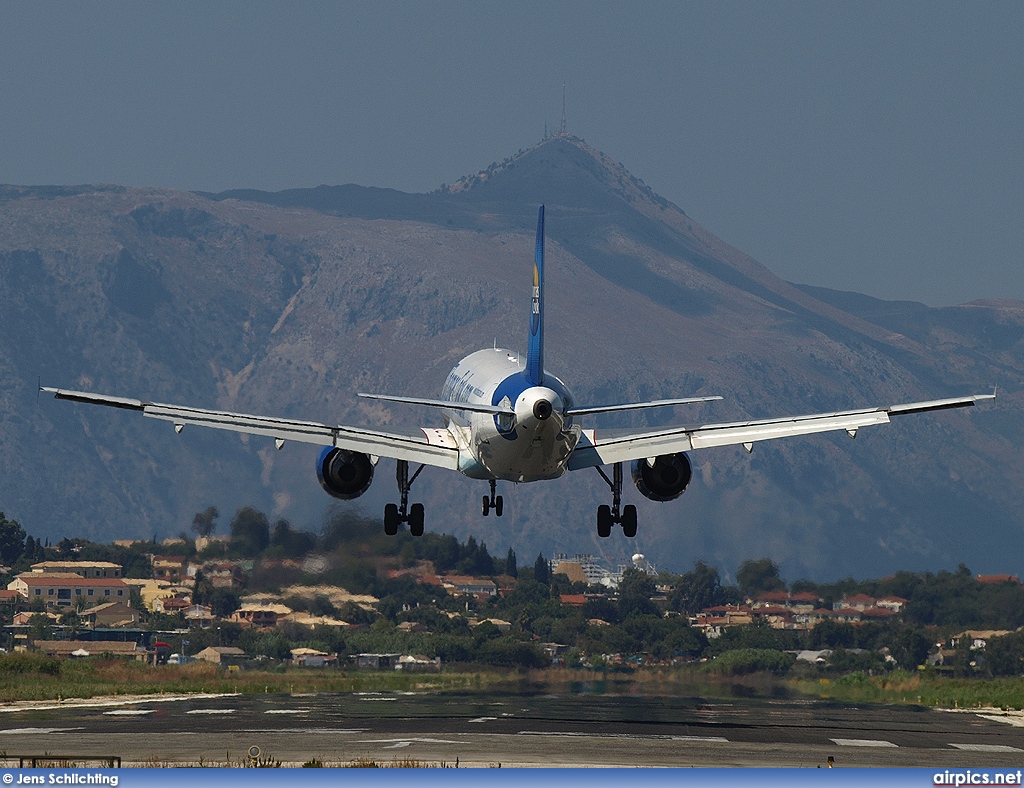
{"points": [[487, 729]]}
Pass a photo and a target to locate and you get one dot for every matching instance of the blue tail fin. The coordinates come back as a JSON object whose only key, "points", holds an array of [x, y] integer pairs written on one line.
{"points": [[535, 351]]}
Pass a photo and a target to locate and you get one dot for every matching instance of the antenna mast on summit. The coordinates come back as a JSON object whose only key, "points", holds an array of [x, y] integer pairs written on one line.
{"points": [[561, 132]]}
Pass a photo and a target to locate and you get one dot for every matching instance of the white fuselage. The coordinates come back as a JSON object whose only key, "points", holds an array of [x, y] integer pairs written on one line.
{"points": [[532, 445]]}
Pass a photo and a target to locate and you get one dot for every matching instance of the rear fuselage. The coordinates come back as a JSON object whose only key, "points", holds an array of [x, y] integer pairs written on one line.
{"points": [[533, 444]]}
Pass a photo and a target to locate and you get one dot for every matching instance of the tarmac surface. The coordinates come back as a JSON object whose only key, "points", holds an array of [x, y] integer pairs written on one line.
{"points": [[487, 729]]}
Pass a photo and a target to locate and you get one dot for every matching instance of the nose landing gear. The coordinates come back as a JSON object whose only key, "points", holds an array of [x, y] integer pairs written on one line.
{"points": [[395, 515], [607, 516], [493, 502]]}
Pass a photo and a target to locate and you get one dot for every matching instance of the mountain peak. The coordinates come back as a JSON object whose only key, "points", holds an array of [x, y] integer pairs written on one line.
{"points": [[563, 170]]}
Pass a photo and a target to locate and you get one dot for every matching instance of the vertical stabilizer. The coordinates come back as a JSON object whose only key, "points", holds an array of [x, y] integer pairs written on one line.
{"points": [[535, 351]]}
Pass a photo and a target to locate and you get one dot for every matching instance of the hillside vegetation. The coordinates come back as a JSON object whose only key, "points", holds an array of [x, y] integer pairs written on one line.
{"points": [[537, 619]]}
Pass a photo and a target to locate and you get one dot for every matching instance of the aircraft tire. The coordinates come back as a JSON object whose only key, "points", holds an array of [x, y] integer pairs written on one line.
{"points": [[391, 519], [498, 506], [629, 521], [416, 519], [604, 521], [487, 506]]}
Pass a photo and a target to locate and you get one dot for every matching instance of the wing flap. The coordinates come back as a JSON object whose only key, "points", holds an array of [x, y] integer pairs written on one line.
{"points": [[412, 448], [591, 451]]}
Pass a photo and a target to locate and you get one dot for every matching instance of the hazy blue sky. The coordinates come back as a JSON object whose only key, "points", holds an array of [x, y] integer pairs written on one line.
{"points": [[876, 147]]}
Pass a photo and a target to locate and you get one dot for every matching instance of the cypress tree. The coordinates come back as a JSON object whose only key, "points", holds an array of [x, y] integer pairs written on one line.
{"points": [[541, 570]]}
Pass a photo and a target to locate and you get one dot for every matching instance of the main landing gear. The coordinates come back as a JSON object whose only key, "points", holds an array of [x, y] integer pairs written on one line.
{"points": [[395, 515], [607, 516], [494, 502]]}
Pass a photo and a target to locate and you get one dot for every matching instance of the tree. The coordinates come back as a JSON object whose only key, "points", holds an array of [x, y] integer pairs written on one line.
{"points": [[507, 652], [1004, 656], [910, 648], [12, 540], [66, 547], [250, 532], [204, 523], [510, 564], [635, 591], [201, 588], [290, 542], [223, 602], [751, 660], [696, 590], [541, 570], [756, 577], [40, 626]]}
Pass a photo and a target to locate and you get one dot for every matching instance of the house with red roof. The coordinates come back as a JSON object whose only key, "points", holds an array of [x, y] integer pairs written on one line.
{"points": [[65, 589], [461, 585], [856, 602]]}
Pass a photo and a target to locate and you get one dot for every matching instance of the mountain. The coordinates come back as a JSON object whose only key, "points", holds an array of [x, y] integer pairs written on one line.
{"points": [[289, 302]]}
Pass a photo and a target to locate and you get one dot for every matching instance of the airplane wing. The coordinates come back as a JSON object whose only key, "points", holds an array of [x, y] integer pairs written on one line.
{"points": [[592, 451], [432, 447]]}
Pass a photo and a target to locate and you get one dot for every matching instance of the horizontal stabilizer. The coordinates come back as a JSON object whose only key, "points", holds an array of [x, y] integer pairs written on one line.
{"points": [[638, 405], [496, 410]]}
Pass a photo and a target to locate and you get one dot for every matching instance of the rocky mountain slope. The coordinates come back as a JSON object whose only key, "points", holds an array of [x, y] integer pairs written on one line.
{"points": [[290, 302]]}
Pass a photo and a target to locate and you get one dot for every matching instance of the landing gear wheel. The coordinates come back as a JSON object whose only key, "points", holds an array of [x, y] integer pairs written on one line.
{"points": [[416, 519], [492, 501], [607, 516], [396, 514], [392, 519], [629, 520]]}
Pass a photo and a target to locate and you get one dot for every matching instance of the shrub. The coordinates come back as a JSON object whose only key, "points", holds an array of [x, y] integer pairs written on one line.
{"points": [[23, 662], [741, 661]]}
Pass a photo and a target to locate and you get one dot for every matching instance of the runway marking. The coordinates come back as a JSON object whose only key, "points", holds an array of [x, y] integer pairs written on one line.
{"points": [[286, 711], [40, 730], [210, 711], [716, 739], [303, 730], [129, 712], [483, 719], [987, 747], [645, 736], [405, 742], [863, 743], [379, 700]]}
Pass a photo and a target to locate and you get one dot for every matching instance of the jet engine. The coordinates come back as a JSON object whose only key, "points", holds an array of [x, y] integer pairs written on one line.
{"points": [[666, 479], [344, 474]]}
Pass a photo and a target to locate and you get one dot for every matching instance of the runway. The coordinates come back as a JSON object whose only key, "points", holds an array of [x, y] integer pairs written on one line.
{"points": [[516, 730]]}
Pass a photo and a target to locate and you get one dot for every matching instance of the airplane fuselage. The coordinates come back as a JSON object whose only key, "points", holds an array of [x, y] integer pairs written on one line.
{"points": [[533, 444]]}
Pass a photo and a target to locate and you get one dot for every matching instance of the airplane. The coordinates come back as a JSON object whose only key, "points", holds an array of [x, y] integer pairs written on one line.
{"points": [[507, 418]]}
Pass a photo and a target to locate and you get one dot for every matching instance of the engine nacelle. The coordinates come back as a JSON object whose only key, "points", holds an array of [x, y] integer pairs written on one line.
{"points": [[667, 480], [344, 474]]}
